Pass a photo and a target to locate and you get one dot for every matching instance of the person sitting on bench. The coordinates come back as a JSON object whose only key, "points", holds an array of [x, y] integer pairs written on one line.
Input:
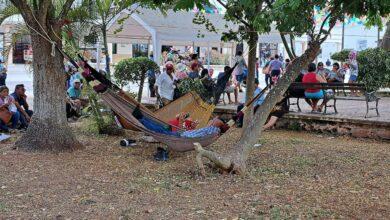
{"points": [[312, 93], [336, 75]]}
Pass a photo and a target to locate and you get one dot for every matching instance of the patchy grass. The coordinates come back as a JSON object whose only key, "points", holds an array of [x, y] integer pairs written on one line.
{"points": [[293, 175]]}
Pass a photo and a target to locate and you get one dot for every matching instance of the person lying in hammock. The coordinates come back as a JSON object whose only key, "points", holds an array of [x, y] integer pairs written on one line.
{"points": [[215, 126], [183, 121]]}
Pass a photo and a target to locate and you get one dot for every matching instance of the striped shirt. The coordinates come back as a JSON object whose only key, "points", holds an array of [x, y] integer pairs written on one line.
{"points": [[201, 132]]}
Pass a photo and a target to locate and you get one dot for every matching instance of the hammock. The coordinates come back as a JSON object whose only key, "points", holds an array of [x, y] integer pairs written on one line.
{"points": [[190, 103], [124, 110], [124, 105]]}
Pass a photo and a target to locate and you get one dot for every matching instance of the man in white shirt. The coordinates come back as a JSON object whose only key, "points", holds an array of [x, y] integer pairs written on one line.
{"points": [[165, 85]]}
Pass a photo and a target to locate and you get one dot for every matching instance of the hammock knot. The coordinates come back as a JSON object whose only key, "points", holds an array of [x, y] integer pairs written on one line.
{"points": [[53, 48]]}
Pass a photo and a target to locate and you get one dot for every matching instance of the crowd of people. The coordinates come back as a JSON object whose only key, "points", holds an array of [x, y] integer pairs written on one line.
{"points": [[15, 114], [14, 109]]}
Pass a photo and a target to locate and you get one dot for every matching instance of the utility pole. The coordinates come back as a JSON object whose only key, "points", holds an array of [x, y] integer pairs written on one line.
{"points": [[379, 36], [342, 36]]}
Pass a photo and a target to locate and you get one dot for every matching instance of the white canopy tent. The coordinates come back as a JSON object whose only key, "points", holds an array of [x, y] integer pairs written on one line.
{"points": [[175, 28], [148, 26]]}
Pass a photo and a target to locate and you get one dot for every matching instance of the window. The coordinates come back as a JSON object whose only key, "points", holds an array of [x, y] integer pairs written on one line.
{"points": [[114, 48]]}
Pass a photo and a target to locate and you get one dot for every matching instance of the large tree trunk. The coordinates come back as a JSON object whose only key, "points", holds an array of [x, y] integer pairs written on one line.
{"points": [[386, 38], [235, 161], [250, 80], [49, 129]]}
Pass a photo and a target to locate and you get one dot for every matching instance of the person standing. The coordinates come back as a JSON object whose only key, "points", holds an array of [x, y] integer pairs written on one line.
{"points": [[276, 67], [267, 71], [165, 85], [3, 73], [239, 71], [353, 69]]}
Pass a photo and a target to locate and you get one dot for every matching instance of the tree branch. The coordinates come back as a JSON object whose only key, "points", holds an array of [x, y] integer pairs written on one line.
{"points": [[24, 9], [323, 24], [290, 54], [292, 46], [235, 15], [221, 162], [65, 9], [332, 24]]}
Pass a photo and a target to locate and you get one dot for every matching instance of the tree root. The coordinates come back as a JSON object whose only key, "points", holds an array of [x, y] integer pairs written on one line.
{"points": [[224, 163]]}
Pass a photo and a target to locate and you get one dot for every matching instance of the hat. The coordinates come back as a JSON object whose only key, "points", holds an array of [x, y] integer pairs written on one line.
{"points": [[76, 81], [169, 66]]}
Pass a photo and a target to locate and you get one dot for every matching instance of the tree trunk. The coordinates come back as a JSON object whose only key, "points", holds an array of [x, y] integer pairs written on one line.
{"points": [[386, 38], [235, 161], [250, 80], [49, 129], [105, 44], [141, 87]]}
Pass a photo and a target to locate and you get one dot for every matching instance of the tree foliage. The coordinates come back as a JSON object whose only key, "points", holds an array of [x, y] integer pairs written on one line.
{"points": [[131, 70], [341, 56], [134, 70], [374, 68], [192, 85]]}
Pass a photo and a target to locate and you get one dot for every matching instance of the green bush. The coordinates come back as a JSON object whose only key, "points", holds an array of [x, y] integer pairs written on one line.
{"points": [[187, 85], [341, 56], [374, 68], [134, 70]]}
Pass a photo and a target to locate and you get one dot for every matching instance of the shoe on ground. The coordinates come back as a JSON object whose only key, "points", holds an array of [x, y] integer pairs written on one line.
{"points": [[161, 155]]}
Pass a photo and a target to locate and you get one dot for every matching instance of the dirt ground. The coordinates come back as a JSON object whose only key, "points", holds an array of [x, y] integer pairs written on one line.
{"points": [[292, 175]]}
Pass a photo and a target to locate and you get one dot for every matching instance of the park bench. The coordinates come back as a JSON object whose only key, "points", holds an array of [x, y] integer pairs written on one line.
{"points": [[296, 90]]}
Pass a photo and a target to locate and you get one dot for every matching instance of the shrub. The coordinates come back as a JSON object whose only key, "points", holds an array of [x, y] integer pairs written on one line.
{"points": [[187, 85], [374, 68], [341, 56], [134, 70]]}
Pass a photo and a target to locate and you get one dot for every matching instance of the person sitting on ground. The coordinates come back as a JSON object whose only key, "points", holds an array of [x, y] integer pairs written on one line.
{"points": [[8, 110], [194, 74], [256, 104], [312, 93], [74, 101], [21, 104], [277, 112], [165, 85], [336, 75]]}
